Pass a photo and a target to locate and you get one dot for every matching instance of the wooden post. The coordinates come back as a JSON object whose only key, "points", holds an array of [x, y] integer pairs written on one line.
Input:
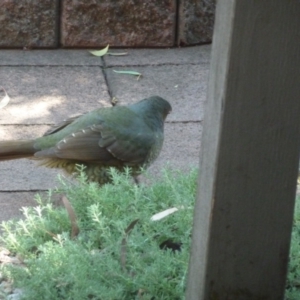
{"points": [[250, 153]]}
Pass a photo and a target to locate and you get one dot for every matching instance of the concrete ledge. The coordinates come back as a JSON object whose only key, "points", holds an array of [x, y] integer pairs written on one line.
{"points": [[59, 57], [154, 57]]}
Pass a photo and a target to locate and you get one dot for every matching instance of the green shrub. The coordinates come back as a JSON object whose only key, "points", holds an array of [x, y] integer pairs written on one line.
{"points": [[119, 253], [293, 277]]}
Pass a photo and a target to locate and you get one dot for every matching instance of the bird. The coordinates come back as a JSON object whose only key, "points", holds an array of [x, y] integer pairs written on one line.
{"points": [[118, 136]]}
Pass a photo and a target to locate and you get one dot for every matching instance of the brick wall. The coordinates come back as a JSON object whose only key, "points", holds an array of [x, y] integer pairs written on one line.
{"points": [[96, 23]]}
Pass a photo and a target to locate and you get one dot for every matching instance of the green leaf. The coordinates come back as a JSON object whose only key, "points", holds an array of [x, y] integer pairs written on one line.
{"points": [[130, 73], [100, 52], [5, 100]]}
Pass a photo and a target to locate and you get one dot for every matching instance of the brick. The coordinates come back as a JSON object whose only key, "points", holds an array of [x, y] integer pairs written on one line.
{"points": [[196, 21], [130, 23], [28, 23]]}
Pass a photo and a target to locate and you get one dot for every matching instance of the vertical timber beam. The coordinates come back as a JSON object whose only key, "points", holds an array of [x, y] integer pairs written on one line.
{"points": [[250, 153]]}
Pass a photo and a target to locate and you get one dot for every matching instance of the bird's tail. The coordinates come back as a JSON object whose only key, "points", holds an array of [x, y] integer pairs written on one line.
{"points": [[16, 149]]}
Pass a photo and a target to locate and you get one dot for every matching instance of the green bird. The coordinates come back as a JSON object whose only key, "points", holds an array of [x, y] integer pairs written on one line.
{"points": [[119, 136]]}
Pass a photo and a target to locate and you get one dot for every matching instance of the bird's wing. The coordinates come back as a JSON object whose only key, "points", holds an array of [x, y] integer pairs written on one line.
{"points": [[103, 143], [131, 144], [61, 125]]}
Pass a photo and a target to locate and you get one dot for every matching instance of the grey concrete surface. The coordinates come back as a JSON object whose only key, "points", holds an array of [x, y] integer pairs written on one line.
{"points": [[46, 94], [11, 204], [184, 86], [172, 56], [59, 57], [46, 87]]}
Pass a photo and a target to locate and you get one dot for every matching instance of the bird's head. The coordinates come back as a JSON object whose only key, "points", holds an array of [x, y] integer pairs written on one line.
{"points": [[153, 106], [160, 105]]}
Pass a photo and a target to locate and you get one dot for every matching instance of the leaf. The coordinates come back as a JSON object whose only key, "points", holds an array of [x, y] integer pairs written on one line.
{"points": [[163, 214], [117, 53], [100, 52], [124, 242], [5, 99], [131, 226], [72, 216], [130, 73], [114, 101]]}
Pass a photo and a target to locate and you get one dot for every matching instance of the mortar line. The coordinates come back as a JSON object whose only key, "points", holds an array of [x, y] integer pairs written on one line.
{"points": [[176, 29], [58, 20], [103, 69]]}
